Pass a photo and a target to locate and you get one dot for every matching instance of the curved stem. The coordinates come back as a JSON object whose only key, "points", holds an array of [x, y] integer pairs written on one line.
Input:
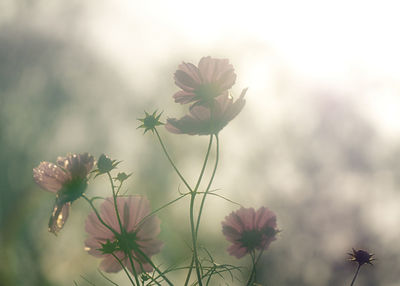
{"points": [[120, 224], [123, 267], [192, 222], [204, 164], [208, 186], [355, 275], [115, 201], [141, 253], [172, 163], [98, 215], [253, 259], [160, 208]]}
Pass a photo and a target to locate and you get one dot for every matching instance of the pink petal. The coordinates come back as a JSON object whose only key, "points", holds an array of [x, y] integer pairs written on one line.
{"points": [[265, 218], [96, 229], [149, 228], [93, 244], [78, 165], [237, 250], [184, 97], [139, 207], [110, 264], [187, 77], [49, 176], [150, 247], [139, 268]]}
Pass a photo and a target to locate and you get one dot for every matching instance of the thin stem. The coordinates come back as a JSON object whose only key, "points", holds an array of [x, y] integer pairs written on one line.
{"points": [[115, 201], [172, 163], [120, 224], [253, 259], [98, 215], [208, 186], [141, 253], [194, 240], [190, 271], [203, 201], [192, 223], [355, 275], [160, 208], [133, 267], [204, 164], [123, 267]]}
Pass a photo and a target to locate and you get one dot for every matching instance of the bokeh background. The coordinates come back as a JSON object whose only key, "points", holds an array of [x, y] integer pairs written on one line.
{"points": [[318, 141]]}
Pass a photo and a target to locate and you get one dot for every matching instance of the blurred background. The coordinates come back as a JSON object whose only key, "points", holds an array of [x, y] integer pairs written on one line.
{"points": [[318, 141]]}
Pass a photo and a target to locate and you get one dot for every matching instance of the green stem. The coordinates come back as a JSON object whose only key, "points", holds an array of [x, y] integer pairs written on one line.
{"points": [[192, 223], [141, 253], [253, 259], [355, 275], [172, 163], [98, 215], [204, 164], [115, 201], [208, 186], [123, 267], [160, 208], [120, 225], [202, 203]]}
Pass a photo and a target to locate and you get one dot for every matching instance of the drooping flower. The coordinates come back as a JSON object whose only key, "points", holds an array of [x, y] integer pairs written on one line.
{"points": [[136, 237], [249, 230], [205, 120], [361, 257], [201, 84], [68, 179]]}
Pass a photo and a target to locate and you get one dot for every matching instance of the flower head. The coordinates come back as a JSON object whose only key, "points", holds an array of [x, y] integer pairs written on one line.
{"points": [[210, 79], [249, 230], [204, 120], [68, 179], [135, 238], [150, 121], [105, 165], [361, 257]]}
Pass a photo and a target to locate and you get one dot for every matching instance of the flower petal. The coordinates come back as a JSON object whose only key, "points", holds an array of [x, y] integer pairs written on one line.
{"points": [[59, 217], [110, 264], [50, 176]]}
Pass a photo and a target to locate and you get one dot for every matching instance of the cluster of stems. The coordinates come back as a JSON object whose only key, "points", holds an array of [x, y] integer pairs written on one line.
{"points": [[195, 223]]}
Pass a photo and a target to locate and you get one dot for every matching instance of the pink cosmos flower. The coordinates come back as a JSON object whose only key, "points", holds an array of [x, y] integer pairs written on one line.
{"points": [[137, 236], [68, 179], [204, 120], [210, 79], [249, 230]]}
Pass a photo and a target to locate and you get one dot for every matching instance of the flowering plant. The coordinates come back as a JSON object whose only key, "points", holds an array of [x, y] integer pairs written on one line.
{"points": [[123, 231]]}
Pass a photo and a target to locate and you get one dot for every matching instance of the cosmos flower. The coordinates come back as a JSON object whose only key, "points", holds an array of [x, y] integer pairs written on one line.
{"points": [[204, 120], [68, 179], [249, 230], [361, 257], [210, 79], [136, 237]]}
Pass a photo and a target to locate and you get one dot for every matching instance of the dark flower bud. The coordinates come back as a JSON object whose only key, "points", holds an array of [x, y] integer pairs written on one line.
{"points": [[150, 121], [361, 257], [104, 164], [122, 177]]}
